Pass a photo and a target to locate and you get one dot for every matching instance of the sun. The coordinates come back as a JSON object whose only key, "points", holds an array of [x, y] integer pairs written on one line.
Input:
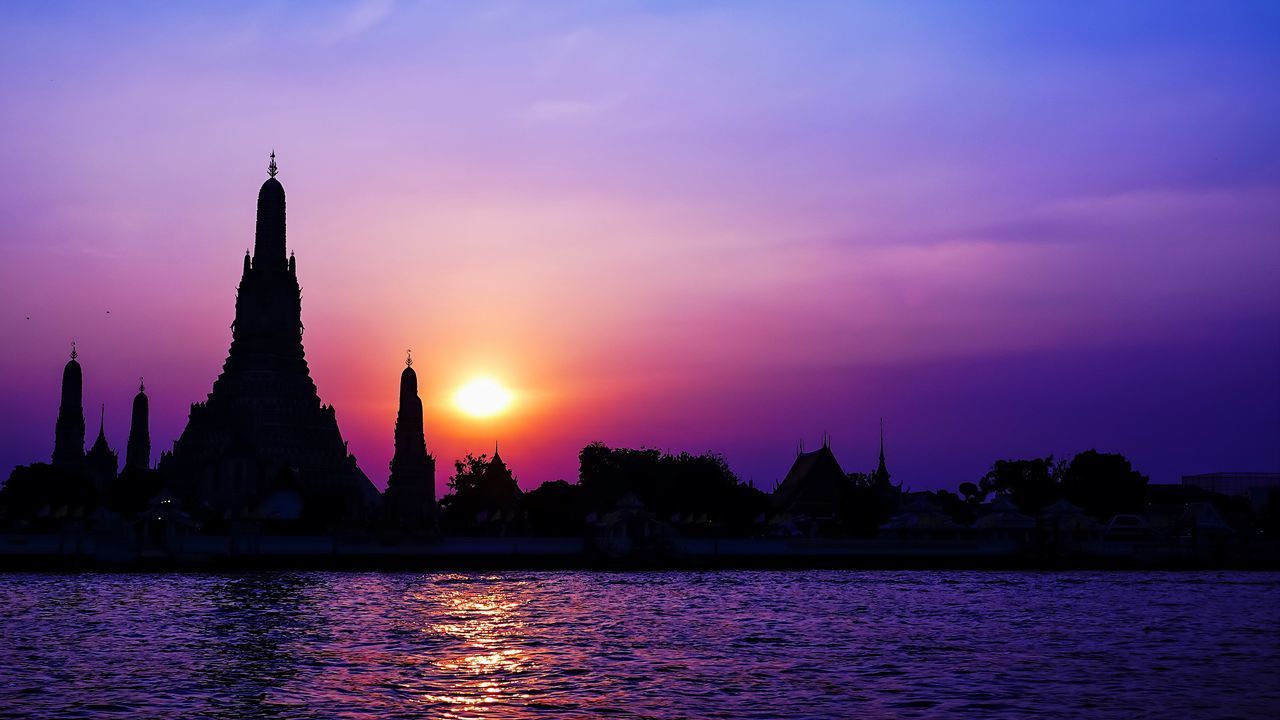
{"points": [[482, 397]]}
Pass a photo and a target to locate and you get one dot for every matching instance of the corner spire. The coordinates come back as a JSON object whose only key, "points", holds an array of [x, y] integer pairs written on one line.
{"points": [[411, 494], [272, 168], [68, 442], [138, 449], [881, 474]]}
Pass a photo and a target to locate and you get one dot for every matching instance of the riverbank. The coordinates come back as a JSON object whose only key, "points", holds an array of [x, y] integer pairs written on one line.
{"points": [[87, 552]]}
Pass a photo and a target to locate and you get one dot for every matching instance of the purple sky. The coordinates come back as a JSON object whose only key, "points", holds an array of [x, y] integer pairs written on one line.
{"points": [[1010, 229]]}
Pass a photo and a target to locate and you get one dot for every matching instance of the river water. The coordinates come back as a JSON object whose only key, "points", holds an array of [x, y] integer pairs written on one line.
{"points": [[665, 645]]}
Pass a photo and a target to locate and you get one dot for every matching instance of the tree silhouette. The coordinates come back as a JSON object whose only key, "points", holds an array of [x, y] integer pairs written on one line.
{"points": [[867, 503], [555, 508], [1103, 484], [483, 491], [684, 485], [1028, 483], [39, 486]]}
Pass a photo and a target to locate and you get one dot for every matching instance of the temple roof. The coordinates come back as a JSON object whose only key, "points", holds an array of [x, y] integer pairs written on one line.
{"points": [[100, 447], [813, 486]]}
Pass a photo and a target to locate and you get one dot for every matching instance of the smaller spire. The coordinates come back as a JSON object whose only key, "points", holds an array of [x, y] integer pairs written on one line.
{"points": [[882, 473], [272, 168], [74, 354], [102, 420], [142, 385], [408, 357]]}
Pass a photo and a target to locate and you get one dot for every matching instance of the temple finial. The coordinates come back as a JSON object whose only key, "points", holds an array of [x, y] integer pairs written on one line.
{"points": [[142, 386], [272, 168], [74, 354], [408, 358]]}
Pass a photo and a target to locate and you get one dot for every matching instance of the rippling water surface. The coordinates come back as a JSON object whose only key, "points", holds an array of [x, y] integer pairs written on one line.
{"points": [[575, 644]]}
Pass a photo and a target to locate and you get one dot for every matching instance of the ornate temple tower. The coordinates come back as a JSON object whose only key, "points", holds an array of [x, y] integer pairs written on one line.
{"points": [[137, 454], [411, 489], [264, 416], [68, 442]]}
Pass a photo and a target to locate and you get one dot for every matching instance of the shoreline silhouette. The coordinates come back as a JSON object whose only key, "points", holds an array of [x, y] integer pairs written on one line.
{"points": [[261, 476]]}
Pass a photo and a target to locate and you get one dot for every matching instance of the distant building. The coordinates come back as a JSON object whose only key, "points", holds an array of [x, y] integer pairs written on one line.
{"points": [[486, 498], [499, 492], [815, 487], [1233, 483], [1257, 486], [919, 517], [818, 490]]}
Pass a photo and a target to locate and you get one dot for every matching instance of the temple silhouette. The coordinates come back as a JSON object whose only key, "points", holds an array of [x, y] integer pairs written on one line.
{"points": [[261, 470], [411, 489], [263, 427], [68, 440]]}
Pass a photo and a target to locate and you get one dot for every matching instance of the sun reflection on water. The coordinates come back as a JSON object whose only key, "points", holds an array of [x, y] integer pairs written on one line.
{"points": [[485, 661]]}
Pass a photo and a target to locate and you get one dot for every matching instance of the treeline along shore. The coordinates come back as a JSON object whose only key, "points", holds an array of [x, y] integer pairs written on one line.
{"points": [[645, 508]]}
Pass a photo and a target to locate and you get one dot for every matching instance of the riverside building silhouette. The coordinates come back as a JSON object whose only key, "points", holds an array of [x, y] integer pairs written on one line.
{"points": [[411, 490], [68, 442], [137, 455], [263, 424]]}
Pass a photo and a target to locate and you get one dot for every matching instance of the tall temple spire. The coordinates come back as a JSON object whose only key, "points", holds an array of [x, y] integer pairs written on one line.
{"points": [[269, 238], [137, 454], [68, 443], [881, 475], [264, 419], [411, 491]]}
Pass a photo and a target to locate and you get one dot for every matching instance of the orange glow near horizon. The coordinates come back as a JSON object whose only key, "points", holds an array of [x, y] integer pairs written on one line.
{"points": [[482, 397]]}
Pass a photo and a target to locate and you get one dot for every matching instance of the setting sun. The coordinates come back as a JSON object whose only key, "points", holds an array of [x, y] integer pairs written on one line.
{"points": [[482, 397]]}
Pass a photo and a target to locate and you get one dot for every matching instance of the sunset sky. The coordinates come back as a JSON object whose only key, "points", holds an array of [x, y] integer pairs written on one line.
{"points": [[1009, 229]]}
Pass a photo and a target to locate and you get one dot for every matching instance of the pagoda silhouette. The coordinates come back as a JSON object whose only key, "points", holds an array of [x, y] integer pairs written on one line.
{"points": [[410, 502], [263, 428]]}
